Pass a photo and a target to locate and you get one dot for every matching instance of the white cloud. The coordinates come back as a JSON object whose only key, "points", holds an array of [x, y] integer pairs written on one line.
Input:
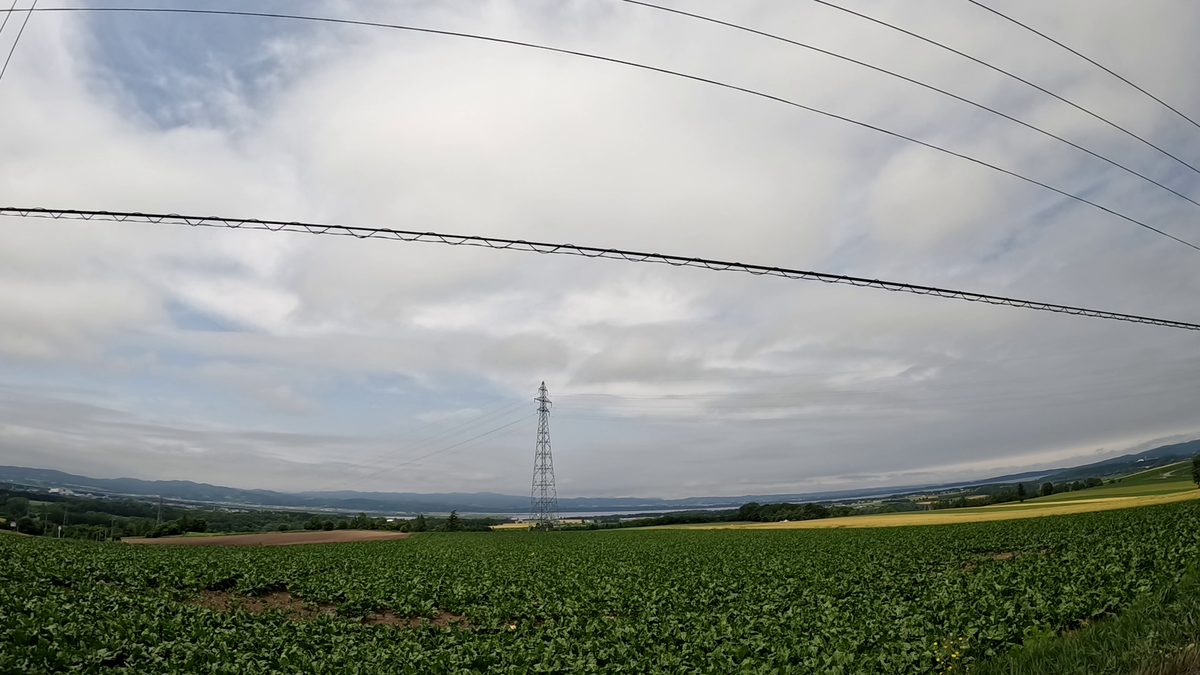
{"points": [[305, 353]]}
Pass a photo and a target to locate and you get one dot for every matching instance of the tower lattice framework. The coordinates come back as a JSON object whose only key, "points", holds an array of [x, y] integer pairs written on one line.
{"points": [[544, 496]]}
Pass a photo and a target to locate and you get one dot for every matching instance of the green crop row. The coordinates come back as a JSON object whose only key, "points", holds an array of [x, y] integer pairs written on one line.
{"points": [[893, 600]]}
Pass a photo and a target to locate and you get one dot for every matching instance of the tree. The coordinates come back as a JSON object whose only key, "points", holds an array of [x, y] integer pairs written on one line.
{"points": [[419, 525], [327, 525], [17, 507], [749, 511], [27, 525], [343, 525], [313, 523], [1196, 469], [1047, 489], [1021, 492], [284, 527], [453, 523], [1077, 486]]}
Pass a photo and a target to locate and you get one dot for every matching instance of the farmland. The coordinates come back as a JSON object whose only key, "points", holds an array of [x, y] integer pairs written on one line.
{"points": [[272, 538], [1163, 485], [670, 601]]}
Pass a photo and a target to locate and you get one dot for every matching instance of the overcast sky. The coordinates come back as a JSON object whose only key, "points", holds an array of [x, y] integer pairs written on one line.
{"points": [[297, 362]]}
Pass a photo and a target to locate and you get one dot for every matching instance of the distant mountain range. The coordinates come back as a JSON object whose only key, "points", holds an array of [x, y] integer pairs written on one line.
{"points": [[489, 502]]}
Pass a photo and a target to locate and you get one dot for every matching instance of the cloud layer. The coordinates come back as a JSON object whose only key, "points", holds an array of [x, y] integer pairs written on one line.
{"points": [[295, 362]]}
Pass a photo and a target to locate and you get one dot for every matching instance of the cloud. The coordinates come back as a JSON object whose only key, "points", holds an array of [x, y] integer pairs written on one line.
{"points": [[301, 362]]}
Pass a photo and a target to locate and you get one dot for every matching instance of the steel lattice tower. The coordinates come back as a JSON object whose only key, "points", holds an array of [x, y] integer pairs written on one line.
{"points": [[544, 496]]}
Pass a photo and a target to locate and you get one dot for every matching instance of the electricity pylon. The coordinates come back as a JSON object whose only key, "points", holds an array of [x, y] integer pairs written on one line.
{"points": [[544, 497]]}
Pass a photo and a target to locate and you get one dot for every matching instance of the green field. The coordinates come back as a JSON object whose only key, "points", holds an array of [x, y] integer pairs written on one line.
{"points": [[1161, 481], [1153, 487], [889, 600]]}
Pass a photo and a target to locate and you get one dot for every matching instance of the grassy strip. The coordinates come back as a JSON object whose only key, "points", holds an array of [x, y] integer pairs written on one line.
{"points": [[1157, 635]]}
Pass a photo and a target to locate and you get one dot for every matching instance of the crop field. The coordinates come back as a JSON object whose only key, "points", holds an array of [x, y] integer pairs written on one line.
{"points": [[1165, 480], [888, 600], [269, 538], [1163, 485]]}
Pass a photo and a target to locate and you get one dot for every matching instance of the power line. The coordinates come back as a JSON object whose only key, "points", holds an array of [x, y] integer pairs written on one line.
{"points": [[431, 442], [1008, 74], [478, 443], [28, 13], [583, 251], [1039, 33], [917, 82], [642, 66], [450, 447], [440, 437], [427, 439], [8, 15]]}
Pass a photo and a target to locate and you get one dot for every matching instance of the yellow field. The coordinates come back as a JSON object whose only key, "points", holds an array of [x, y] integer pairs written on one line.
{"points": [[526, 526]]}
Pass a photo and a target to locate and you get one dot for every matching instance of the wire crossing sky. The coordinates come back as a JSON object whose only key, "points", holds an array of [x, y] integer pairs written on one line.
{"points": [[1106, 69], [546, 248], [924, 85], [237, 356], [1017, 78], [704, 80]]}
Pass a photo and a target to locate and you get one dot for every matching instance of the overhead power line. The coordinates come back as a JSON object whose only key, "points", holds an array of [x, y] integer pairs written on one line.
{"points": [[1039, 33], [435, 437], [1009, 74], [583, 251], [646, 67], [445, 449], [915, 81], [28, 13], [8, 15]]}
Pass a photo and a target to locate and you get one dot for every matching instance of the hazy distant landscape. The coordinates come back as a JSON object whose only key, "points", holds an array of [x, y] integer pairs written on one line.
{"points": [[488, 503], [599, 337]]}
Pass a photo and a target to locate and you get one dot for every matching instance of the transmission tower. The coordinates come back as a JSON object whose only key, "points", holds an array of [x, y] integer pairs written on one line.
{"points": [[544, 497]]}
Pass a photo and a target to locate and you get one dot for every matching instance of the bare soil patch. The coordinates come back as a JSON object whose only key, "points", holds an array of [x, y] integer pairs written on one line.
{"points": [[1005, 555], [276, 538], [293, 607], [439, 620]]}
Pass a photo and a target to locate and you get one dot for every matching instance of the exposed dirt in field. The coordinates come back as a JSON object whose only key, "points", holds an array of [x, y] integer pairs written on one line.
{"points": [[282, 600], [1004, 555], [296, 609], [440, 620], [276, 538]]}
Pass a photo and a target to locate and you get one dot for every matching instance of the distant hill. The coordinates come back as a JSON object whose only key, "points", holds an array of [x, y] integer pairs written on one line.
{"points": [[1149, 459], [490, 502]]}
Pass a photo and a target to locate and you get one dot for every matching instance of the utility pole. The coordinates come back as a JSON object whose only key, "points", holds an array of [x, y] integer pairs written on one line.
{"points": [[544, 496]]}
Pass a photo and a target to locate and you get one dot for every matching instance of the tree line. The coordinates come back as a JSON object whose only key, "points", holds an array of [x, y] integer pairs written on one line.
{"points": [[79, 517]]}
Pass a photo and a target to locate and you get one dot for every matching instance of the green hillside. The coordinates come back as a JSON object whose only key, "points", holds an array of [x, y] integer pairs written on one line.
{"points": [[1163, 480]]}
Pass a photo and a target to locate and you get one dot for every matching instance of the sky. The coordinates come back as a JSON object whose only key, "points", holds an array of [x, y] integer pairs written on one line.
{"points": [[298, 362]]}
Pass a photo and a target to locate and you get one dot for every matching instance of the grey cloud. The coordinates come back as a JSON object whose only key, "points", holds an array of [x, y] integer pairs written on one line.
{"points": [[714, 383]]}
